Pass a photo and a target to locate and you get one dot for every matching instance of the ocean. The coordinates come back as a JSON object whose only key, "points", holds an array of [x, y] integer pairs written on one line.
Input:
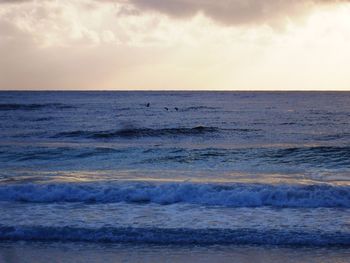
{"points": [[212, 174]]}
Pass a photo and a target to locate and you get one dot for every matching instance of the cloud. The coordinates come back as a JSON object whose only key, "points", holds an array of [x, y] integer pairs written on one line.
{"points": [[62, 45], [13, 1], [232, 12], [226, 12], [154, 44]]}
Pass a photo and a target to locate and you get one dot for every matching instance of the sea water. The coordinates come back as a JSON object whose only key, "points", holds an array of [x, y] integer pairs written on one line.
{"points": [[176, 168]]}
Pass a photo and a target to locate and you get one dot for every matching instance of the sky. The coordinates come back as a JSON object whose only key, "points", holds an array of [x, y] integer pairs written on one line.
{"points": [[175, 45]]}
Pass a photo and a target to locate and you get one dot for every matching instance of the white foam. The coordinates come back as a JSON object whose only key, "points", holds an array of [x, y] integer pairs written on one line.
{"points": [[232, 195]]}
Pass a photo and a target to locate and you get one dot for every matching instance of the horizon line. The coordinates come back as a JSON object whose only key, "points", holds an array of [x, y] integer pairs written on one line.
{"points": [[163, 90]]}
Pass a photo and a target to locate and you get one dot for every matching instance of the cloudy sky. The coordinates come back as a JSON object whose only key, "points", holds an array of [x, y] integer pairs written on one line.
{"points": [[175, 44]]}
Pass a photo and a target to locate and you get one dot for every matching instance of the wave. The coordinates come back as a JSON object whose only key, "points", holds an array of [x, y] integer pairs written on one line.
{"points": [[320, 155], [43, 119], [139, 132], [194, 108], [30, 107], [181, 236], [227, 195], [296, 158], [332, 137]]}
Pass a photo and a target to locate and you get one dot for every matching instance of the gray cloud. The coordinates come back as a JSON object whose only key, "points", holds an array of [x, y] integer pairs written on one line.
{"points": [[232, 11], [13, 1], [229, 12]]}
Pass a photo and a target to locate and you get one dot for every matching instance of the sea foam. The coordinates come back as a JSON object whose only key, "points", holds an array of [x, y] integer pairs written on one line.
{"points": [[230, 195]]}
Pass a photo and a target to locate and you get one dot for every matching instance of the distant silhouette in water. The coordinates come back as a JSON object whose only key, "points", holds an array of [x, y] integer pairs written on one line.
{"points": [[148, 104], [166, 108], [176, 108]]}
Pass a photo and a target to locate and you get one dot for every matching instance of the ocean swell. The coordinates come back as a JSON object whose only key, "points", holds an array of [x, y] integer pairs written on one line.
{"points": [[139, 132], [30, 107], [181, 236]]}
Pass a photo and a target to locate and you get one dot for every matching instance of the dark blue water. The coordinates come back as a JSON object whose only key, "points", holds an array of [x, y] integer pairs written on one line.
{"points": [[192, 167]]}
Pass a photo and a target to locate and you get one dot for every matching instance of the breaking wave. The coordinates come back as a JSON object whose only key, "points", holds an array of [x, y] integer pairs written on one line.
{"points": [[232, 195]]}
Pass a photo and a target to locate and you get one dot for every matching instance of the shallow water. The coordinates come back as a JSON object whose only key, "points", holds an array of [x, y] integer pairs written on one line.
{"points": [[28, 252], [224, 168]]}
